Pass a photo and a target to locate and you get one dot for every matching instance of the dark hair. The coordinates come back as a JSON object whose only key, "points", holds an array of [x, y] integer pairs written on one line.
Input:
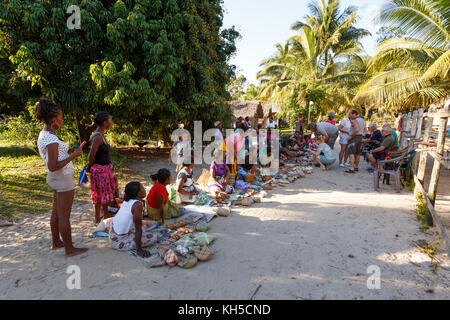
{"points": [[132, 190], [242, 125], [161, 176], [353, 111], [247, 118], [311, 126], [247, 165], [188, 163], [46, 110], [101, 117]]}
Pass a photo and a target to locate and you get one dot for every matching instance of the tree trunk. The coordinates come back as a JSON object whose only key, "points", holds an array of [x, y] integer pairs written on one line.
{"points": [[165, 136], [84, 130]]}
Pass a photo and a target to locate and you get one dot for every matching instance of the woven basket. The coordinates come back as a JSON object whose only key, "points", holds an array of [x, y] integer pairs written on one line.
{"points": [[249, 178]]}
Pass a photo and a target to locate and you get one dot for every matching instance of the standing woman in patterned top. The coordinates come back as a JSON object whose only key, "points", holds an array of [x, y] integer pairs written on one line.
{"points": [[100, 167], [58, 160]]}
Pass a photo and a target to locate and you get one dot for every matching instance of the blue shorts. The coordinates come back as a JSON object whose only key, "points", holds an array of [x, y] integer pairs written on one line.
{"points": [[343, 140], [326, 160]]}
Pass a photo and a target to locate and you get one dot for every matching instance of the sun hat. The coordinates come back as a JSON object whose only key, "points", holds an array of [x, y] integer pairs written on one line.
{"points": [[331, 114], [216, 123]]}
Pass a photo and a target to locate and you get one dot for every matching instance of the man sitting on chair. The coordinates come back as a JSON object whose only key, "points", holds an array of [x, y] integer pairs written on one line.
{"points": [[387, 145]]}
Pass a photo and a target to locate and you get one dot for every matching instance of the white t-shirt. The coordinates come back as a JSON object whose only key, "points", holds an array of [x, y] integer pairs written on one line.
{"points": [[346, 125], [123, 220], [271, 125], [46, 138], [218, 137], [327, 152]]}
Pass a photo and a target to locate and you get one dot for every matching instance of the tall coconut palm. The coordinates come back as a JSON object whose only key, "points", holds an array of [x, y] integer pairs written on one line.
{"points": [[326, 38], [412, 70]]}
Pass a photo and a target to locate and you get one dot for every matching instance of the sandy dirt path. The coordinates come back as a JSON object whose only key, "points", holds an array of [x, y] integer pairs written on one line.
{"points": [[313, 239]]}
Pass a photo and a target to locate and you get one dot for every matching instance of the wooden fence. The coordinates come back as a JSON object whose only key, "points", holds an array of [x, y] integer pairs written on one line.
{"points": [[417, 133]]}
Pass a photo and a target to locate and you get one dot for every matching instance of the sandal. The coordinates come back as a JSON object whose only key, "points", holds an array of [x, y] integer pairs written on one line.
{"points": [[349, 171], [356, 169]]}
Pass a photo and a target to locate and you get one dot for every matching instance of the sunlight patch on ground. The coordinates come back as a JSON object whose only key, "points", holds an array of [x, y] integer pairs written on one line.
{"points": [[404, 257]]}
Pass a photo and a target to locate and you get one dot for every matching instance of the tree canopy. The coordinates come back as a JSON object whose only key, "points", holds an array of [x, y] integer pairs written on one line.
{"points": [[320, 64], [151, 63], [411, 67]]}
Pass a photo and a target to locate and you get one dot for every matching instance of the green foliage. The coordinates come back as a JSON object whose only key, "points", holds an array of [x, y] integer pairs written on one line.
{"points": [[22, 182], [236, 88], [421, 211], [305, 92], [240, 90], [326, 54], [24, 129], [150, 63], [23, 185], [412, 66]]}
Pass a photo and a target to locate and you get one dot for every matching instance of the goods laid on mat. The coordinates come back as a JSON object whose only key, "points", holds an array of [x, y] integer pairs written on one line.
{"points": [[185, 241]]}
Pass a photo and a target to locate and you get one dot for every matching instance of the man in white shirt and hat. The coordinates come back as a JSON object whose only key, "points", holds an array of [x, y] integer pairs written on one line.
{"points": [[218, 135]]}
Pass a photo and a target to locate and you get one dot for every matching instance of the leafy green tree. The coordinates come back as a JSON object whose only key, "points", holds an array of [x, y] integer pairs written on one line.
{"points": [[152, 63], [316, 58], [411, 68], [236, 88], [240, 90]]}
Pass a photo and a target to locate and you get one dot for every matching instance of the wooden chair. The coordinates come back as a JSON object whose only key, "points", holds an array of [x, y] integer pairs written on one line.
{"points": [[392, 155], [393, 171]]}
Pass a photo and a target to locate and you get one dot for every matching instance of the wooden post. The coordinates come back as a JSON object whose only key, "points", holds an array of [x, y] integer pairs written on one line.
{"points": [[415, 116], [419, 124], [405, 131], [424, 154], [423, 166], [434, 181]]}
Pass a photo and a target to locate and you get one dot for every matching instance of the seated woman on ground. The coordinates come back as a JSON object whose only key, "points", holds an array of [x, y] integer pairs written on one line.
{"points": [[159, 205], [246, 168], [293, 146], [186, 191], [219, 174], [298, 139], [324, 156], [128, 230], [284, 149]]}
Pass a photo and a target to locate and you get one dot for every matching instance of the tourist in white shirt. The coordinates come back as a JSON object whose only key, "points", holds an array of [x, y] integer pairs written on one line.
{"points": [[344, 129]]}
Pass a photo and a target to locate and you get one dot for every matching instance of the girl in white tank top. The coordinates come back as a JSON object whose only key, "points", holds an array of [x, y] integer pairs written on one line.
{"points": [[125, 225]]}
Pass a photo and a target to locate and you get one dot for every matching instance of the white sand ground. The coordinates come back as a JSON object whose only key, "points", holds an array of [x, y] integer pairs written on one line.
{"points": [[313, 239]]}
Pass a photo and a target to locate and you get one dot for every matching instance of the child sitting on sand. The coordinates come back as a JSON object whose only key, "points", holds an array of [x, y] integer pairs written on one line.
{"points": [[128, 230], [186, 191]]}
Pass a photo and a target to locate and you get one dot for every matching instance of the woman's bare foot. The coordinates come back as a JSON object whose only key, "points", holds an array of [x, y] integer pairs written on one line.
{"points": [[75, 251], [57, 245]]}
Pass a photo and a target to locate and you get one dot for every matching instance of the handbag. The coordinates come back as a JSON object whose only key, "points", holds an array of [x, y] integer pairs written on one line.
{"points": [[83, 177]]}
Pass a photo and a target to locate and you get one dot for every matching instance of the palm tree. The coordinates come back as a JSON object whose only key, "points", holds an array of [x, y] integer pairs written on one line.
{"points": [[315, 56], [412, 70]]}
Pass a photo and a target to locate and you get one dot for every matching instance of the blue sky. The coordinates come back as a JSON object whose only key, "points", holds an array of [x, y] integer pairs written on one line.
{"points": [[264, 23]]}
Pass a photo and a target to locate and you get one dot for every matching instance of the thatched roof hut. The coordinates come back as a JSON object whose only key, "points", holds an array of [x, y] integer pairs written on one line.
{"points": [[258, 110]]}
